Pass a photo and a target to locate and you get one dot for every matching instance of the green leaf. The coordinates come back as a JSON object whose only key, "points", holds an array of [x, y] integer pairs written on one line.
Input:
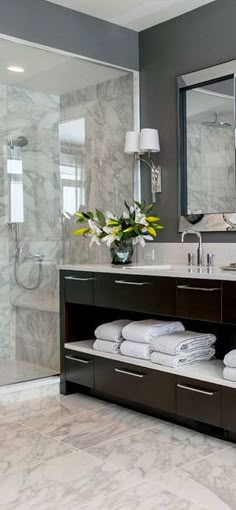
{"points": [[101, 217], [127, 207], [138, 204], [149, 207]]}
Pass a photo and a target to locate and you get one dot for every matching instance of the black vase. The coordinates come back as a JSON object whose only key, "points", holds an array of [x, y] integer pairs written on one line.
{"points": [[121, 252]]}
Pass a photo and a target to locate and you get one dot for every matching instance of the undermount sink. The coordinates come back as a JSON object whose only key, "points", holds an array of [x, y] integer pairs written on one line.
{"points": [[165, 267]]}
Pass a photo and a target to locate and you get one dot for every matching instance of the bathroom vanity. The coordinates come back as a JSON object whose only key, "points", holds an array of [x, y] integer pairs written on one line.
{"points": [[204, 301]]}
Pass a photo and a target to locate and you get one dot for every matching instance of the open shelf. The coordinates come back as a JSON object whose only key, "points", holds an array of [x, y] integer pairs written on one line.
{"points": [[209, 371]]}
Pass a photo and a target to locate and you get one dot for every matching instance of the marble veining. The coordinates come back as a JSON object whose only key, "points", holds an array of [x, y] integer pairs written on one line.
{"points": [[162, 467], [29, 331]]}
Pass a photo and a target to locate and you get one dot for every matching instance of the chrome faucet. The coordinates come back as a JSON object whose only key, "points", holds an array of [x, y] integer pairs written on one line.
{"points": [[200, 259]]}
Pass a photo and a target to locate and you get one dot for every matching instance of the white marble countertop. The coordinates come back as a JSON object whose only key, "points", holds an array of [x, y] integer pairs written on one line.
{"points": [[209, 371], [179, 271]]}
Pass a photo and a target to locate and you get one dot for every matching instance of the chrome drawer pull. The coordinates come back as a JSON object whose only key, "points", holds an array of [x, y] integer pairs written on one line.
{"points": [[128, 373], [86, 362], [204, 289], [78, 279], [123, 282], [210, 393]]}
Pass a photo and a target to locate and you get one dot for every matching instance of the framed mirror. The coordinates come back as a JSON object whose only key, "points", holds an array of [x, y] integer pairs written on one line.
{"points": [[206, 147]]}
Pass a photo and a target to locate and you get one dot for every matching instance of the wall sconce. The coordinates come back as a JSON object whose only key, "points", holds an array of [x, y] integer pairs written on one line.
{"points": [[141, 143]]}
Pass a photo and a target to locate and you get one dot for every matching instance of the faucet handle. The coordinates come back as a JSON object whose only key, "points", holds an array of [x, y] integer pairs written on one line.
{"points": [[190, 259], [210, 257]]}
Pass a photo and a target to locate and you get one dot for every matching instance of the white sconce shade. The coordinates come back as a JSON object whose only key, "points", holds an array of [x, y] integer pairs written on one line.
{"points": [[149, 140], [132, 142]]}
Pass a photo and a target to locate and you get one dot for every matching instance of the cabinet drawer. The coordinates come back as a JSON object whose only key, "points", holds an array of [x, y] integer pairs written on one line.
{"points": [[197, 299], [198, 401], [79, 369], [135, 293], [79, 288], [137, 384], [229, 409]]}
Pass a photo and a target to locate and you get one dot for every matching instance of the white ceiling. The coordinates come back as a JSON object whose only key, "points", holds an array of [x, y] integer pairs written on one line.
{"points": [[134, 14], [50, 72]]}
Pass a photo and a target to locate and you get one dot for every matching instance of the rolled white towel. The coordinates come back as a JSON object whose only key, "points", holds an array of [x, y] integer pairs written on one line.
{"points": [[136, 349], [230, 359], [229, 373], [182, 359], [111, 331], [143, 331], [107, 346], [182, 342]]}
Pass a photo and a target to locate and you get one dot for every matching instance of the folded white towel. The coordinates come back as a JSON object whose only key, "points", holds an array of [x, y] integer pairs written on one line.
{"points": [[229, 373], [182, 359], [111, 331], [143, 331], [230, 359], [107, 346], [182, 342], [136, 350]]}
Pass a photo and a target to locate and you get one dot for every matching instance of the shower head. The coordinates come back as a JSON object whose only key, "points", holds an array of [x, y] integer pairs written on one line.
{"points": [[20, 141], [216, 122]]}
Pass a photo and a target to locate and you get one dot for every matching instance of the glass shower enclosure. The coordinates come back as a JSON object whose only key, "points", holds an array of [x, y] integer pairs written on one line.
{"points": [[62, 129]]}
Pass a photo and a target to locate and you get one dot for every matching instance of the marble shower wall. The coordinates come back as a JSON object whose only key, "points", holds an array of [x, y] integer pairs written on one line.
{"points": [[29, 320], [211, 169], [36, 116], [108, 173]]}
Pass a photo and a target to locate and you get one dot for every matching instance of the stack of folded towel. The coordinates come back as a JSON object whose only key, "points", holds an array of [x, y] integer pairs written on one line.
{"points": [[109, 336], [230, 366], [138, 336], [182, 348]]}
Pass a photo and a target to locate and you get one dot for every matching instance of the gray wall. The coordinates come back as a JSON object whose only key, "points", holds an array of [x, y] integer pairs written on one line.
{"points": [[45, 23], [201, 38]]}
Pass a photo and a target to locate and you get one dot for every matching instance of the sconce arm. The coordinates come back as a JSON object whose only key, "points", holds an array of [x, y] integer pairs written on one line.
{"points": [[155, 175]]}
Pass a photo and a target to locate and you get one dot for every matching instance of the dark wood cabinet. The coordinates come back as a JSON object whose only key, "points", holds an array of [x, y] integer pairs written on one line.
{"points": [[198, 400], [229, 409], [198, 299], [135, 293], [89, 299], [229, 302], [136, 384], [79, 288], [79, 369]]}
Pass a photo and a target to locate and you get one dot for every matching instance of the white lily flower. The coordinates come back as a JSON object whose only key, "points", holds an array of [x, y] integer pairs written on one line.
{"points": [[111, 216], [125, 215], [141, 219], [94, 233], [94, 239], [140, 240], [109, 239]]}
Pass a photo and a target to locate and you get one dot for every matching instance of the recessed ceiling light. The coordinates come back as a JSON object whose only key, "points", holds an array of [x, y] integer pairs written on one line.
{"points": [[16, 69]]}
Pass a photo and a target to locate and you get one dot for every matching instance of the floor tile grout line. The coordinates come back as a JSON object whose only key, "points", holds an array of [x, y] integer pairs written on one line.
{"points": [[123, 436], [116, 492], [190, 463]]}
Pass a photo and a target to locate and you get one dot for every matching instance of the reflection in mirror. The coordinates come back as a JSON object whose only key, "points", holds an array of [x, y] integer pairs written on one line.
{"points": [[206, 102], [210, 148]]}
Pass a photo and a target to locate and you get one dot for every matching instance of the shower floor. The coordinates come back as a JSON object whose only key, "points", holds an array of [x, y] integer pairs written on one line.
{"points": [[14, 371]]}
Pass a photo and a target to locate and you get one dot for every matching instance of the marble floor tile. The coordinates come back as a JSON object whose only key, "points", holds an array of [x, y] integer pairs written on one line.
{"points": [[153, 452], [22, 448], [93, 427], [142, 497], [65, 483], [41, 407], [13, 371], [211, 482]]}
